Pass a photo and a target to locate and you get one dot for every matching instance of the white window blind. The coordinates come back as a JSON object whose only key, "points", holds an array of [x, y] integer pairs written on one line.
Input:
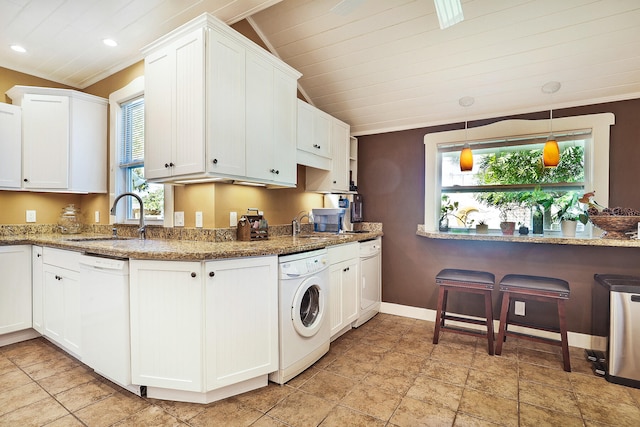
{"points": [[132, 133]]}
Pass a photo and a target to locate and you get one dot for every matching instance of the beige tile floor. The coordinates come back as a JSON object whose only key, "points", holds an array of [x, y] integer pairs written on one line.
{"points": [[386, 373]]}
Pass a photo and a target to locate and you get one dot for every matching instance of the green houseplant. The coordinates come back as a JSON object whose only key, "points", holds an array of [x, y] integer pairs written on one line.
{"points": [[569, 213], [447, 207]]}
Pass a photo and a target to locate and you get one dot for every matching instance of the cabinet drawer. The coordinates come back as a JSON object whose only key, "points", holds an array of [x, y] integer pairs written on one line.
{"points": [[61, 258], [343, 252]]}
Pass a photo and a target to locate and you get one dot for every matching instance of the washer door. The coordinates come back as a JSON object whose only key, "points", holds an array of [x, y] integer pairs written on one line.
{"points": [[307, 307]]}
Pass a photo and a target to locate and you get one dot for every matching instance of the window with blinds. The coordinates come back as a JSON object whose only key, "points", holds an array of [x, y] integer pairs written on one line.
{"points": [[131, 162]]}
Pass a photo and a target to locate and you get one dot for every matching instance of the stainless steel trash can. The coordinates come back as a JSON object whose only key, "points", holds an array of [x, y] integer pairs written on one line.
{"points": [[623, 300]]}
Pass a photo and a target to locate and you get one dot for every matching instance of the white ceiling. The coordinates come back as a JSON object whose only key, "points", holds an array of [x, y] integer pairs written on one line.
{"points": [[385, 65]]}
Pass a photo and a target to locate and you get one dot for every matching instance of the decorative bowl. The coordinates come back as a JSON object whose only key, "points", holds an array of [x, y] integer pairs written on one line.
{"points": [[615, 226]]}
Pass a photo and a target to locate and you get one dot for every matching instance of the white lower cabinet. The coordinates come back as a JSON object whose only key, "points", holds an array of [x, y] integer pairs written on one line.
{"points": [[343, 287], [61, 307], [202, 326], [241, 320], [166, 324], [15, 288]]}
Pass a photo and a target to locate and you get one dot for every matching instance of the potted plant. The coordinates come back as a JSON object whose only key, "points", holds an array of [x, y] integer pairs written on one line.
{"points": [[507, 227], [523, 229], [482, 227], [447, 207], [569, 213]]}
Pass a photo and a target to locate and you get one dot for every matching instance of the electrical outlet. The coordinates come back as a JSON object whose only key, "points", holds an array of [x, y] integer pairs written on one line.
{"points": [[96, 216], [198, 219], [31, 216], [233, 219], [178, 219], [518, 309]]}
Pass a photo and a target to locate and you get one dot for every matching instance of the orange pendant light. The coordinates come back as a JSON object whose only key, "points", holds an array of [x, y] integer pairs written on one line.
{"points": [[466, 156], [551, 150], [551, 153], [466, 159]]}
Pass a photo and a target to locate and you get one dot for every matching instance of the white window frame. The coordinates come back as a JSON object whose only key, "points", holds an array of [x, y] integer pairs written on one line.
{"points": [[117, 186], [596, 167]]}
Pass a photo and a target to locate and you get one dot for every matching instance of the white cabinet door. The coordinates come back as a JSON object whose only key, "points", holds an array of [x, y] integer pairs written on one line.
{"points": [[37, 286], [313, 136], [158, 113], [10, 146], [45, 124], [271, 124], [340, 161], [336, 179], [166, 324], [259, 129], [343, 294], [61, 310], [226, 105], [174, 108], [241, 319], [343, 282], [15, 288], [284, 130]]}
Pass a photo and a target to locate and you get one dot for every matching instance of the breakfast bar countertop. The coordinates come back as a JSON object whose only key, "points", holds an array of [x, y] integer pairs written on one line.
{"points": [[185, 250], [555, 239]]}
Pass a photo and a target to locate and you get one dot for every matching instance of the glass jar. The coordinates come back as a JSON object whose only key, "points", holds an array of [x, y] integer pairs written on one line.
{"points": [[69, 221]]}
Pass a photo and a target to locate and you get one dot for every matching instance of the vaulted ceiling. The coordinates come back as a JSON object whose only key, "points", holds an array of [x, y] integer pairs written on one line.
{"points": [[378, 65]]}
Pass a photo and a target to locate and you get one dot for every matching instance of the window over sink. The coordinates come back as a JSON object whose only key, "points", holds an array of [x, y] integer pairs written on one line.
{"points": [[127, 159]]}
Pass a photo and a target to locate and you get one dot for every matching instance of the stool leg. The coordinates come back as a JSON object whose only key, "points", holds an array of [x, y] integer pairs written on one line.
{"points": [[439, 314], [488, 312], [503, 322], [563, 335]]}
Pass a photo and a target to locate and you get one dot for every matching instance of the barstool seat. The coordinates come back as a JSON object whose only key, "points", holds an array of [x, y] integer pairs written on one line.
{"points": [[468, 281], [536, 288]]}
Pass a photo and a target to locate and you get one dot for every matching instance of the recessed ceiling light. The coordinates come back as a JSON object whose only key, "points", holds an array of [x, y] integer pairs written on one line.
{"points": [[110, 42], [18, 48]]}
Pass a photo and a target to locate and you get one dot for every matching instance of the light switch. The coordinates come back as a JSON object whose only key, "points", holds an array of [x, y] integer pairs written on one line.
{"points": [[96, 216], [233, 219], [198, 219], [178, 219], [31, 216]]}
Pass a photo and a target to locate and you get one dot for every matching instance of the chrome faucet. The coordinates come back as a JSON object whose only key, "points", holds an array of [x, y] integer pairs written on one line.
{"points": [[142, 228], [296, 223]]}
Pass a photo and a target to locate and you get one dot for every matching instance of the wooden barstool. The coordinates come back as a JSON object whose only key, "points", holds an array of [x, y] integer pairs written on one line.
{"points": [[468, 281], [536, 288]]}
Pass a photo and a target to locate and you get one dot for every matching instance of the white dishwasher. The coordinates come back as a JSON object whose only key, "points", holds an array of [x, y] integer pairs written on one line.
{"points": [[104, 284], [370, 289]]}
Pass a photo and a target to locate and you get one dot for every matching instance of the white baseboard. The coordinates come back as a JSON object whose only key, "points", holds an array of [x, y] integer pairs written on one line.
{"points": [[575, 339]]}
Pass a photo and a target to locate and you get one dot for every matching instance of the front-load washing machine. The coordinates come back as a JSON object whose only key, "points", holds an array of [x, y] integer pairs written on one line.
{"points": [[303, 312]]}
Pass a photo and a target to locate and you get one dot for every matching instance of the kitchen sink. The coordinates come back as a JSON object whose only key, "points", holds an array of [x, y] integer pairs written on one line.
{"points": [[314, 237], [97, 239]]}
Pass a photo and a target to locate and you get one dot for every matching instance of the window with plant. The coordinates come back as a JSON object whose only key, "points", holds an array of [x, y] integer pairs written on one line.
{"points": [[508, 180]]}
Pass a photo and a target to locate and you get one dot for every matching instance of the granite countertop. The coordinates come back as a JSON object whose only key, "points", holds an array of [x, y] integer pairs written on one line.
{"points": [[546, 239], [186, 250]]}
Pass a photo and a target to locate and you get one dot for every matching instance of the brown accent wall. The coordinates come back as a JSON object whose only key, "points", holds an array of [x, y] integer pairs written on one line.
{"points": [[391, 179]]}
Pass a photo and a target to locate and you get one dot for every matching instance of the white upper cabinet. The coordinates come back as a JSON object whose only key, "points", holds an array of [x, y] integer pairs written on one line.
{"points": [[223, 103], [336, 179], [64, 139], [270, 132], [174, 108], [314, 136], [10, 146], [226, 59]]}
